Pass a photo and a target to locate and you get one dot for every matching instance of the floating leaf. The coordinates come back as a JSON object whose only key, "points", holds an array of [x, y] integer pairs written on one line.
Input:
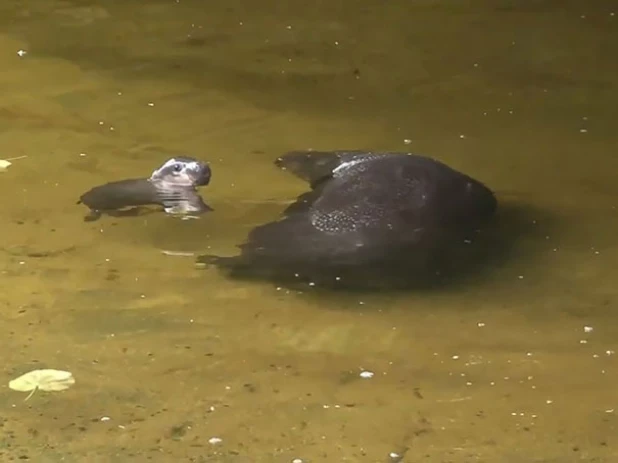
{"points": [[45, 380], [5, 163]]}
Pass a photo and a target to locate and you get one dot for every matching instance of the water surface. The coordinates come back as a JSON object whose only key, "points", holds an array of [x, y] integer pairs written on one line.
{"points": [[501, 369]]}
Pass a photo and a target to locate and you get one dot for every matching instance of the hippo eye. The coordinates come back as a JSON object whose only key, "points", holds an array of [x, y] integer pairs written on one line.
{"points": [[177, 167]]}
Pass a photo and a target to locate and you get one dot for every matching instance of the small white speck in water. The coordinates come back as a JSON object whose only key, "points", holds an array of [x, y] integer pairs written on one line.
{"points": [[366, 374], [215, 440]]}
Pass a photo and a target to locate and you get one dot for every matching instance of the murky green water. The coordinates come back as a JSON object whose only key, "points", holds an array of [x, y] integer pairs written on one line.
{"points": [[521, 95]]}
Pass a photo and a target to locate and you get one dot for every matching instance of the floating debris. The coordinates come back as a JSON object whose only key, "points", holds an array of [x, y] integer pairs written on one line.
{"points": [[177, 253], [46, 380], [6, 163]]}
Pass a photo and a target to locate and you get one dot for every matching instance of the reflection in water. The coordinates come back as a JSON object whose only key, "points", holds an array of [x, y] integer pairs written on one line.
{"points": [[514, 365]]}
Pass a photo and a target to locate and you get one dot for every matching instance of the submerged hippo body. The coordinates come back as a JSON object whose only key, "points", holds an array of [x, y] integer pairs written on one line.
{"points": [[368, 216], [173, 186]]}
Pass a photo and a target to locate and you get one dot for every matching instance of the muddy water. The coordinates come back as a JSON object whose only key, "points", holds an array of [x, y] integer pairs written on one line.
{"points": [[517, 365]]}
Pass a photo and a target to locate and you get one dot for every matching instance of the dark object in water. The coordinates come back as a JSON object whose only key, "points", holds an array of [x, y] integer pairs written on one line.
{"points": [[370, 219], [173, 186]]}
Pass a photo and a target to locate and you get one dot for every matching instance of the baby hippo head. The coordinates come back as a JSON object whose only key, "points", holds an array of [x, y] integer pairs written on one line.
{"points": [[183, 171]]}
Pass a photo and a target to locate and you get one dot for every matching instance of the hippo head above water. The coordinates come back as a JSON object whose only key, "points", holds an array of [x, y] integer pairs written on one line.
{"points": [[182, 171], [173, 185]]}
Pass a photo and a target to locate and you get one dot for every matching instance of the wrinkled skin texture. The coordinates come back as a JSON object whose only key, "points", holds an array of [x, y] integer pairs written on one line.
{"points": [[368, 216]]}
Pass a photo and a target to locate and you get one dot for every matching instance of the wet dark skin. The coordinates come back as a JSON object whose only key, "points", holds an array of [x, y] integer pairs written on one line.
{"points": [[172, 186], [367, 213]]}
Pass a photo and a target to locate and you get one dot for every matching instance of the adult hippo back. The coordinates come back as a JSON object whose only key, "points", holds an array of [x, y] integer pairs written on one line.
{"points": [[369, 217]]}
